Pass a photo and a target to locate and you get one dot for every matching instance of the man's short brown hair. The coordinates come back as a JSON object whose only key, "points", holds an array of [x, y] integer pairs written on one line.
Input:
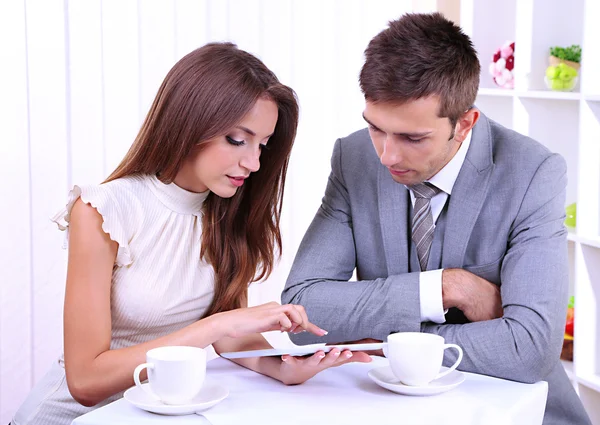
{"points": [[421, 55]]}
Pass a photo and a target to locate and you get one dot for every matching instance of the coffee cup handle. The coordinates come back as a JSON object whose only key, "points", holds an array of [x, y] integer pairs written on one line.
{"points": [[456, 363], [138, 383]]}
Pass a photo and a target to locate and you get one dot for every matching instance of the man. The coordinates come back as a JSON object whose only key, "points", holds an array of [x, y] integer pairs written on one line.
{"points": [[451, 212]]}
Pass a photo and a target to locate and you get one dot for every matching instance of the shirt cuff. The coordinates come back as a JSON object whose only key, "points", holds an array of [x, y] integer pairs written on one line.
{"points": [[430, 287]]}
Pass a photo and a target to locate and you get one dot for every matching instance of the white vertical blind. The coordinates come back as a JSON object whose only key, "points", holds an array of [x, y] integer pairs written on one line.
{"points": [[15, 213], [50, 161]]}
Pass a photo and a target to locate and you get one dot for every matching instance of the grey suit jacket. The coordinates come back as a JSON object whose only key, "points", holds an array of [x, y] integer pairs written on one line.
{"points": [[504, 223]]}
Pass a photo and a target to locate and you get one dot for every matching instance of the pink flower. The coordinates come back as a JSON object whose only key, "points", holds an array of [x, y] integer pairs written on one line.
{"points": [[506, 51], [496, 55], [501, 64], [510, 63]]}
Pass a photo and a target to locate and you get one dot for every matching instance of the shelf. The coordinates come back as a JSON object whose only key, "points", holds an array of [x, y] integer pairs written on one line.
{"points": [[584, 240], [535, 94], [567, 123], [495, 92], [548, 94], [590, 241], [569, 370], [590, 381]]}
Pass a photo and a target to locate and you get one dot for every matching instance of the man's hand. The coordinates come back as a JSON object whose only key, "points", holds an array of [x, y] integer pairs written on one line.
{"points": [[365, 341], [477, 298]]}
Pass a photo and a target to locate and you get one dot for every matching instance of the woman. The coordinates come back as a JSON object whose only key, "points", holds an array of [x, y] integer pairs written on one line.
{"points": [[162, 252]]}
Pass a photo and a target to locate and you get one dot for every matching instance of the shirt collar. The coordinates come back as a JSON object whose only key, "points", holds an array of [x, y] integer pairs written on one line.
{"points": [[446, 177]]}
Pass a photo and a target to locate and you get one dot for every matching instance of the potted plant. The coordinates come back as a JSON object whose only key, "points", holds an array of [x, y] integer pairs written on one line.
{"points": [[563, 72], [570, 56]]}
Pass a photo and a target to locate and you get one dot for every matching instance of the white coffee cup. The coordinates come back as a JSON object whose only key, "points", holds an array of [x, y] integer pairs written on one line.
{"points": [[175, 374], [416, 358]]}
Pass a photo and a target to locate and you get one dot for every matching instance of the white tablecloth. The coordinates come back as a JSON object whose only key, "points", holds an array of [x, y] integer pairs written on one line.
{"points": [[344, 395]]}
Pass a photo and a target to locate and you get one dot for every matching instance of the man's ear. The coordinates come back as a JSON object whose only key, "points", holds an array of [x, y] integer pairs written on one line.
{"points": [[466, 124]]}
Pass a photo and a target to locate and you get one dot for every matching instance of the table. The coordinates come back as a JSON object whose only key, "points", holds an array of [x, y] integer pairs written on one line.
{"points": [[344, 395]]}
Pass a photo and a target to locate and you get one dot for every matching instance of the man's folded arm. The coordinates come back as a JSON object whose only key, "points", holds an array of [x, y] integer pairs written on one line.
{"points": [[525, 343]]}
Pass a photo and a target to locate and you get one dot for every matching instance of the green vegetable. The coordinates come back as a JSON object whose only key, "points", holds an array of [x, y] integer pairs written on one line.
{"points": [[552, 72], [557, 85], [561, 77], [571, 53]]}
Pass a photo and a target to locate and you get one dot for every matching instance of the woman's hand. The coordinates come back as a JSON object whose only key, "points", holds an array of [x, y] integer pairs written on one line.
{"points": [[296, 370], [266, 317]]}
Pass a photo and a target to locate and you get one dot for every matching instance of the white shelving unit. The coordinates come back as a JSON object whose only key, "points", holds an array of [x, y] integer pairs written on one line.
{"points": [[567, 123]]}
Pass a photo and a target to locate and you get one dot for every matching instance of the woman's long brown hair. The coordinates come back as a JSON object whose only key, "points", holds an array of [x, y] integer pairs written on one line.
{"points": [[204, 96]]}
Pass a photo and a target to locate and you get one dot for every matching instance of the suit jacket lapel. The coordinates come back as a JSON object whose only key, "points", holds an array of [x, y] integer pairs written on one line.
{"points": [[468, 194], [393, 214]]}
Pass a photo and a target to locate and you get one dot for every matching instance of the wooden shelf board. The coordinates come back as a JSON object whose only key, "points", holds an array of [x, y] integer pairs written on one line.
{"points": [[593, 241], [591, 381], [483, 91], [589, 241], [549, 94], [534, 94]]}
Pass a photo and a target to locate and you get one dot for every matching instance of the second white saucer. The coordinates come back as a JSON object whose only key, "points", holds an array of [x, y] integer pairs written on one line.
{"points": [[384, 377], [210, 394]]}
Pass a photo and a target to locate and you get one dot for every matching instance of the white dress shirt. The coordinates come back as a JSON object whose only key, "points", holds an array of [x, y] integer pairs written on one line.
{"points": [[430, 282]]}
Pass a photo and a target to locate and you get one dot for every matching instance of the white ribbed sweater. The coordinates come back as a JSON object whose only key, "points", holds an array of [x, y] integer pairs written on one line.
{"points": [[159, 284]]}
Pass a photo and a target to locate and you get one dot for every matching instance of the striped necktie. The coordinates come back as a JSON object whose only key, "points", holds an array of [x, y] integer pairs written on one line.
{"points": [[422, 222]]}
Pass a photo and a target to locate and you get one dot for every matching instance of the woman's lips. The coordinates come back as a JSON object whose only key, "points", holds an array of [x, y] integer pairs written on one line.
{"points": [[236, 181]]}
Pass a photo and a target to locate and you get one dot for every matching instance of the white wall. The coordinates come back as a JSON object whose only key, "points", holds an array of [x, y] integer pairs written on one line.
{"points": [[76, 79]]}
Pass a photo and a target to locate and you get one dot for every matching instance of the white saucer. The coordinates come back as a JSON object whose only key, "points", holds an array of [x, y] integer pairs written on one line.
{"points": [[384, 377], [210, 395]]}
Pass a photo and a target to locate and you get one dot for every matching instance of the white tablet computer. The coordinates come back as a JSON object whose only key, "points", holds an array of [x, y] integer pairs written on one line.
{"points": [[303, 350]]}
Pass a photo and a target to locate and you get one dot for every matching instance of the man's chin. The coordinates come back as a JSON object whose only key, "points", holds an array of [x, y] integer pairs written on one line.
{"points": [[407, 180]]}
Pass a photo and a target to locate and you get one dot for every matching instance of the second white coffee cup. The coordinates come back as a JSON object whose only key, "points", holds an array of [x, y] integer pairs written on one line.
{"points": [[175, 374], [416, 358]]}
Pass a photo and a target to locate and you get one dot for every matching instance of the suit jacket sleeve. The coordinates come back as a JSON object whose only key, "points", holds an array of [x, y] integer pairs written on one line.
{"points": [[524, 345], [319, 278]]}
